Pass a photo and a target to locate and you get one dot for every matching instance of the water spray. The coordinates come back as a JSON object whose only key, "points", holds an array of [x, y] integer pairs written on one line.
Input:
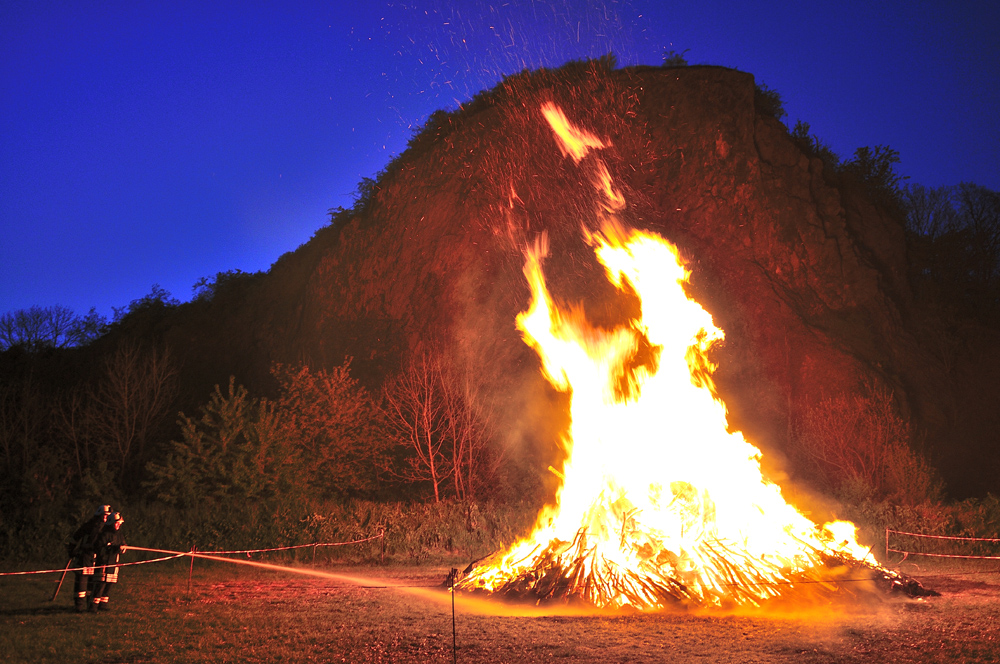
{"points": [[252, 563], [361, 582]]}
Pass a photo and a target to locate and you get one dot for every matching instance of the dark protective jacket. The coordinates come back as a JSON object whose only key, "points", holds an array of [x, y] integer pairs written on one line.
{"points": [[81, 546], [108, 549]]}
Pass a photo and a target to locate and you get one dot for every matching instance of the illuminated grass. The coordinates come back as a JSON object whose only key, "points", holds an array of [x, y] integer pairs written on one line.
{"points": [[235, 614]]}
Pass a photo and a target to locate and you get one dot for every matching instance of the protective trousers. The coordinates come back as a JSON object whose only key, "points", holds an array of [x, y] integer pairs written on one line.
{"points": [[84, 580], [104, 580]]}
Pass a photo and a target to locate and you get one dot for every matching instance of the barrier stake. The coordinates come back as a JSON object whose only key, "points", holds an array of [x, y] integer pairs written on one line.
{"points": [[454, 639], [190, 570], [61, 579]]}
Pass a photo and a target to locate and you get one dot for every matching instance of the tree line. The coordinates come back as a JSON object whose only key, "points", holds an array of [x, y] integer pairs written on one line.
{"points": [[74, 430], [78, 426]]}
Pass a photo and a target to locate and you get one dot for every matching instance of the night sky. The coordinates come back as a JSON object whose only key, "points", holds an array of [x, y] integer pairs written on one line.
{"points": [[160, 142]]}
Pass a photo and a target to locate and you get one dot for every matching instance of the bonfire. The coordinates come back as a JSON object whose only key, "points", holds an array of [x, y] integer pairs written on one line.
{"points": [[659, 502]]}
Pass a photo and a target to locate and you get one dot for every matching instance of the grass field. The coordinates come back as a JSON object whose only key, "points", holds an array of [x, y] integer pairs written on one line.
{"points": [[395, 614]]}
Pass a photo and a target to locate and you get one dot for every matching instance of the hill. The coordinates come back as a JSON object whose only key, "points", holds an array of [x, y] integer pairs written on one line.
{"points": [[807, 274]]}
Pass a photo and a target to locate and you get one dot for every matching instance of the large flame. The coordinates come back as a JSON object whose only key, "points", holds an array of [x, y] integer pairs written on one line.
{"points": [[658, 500]]}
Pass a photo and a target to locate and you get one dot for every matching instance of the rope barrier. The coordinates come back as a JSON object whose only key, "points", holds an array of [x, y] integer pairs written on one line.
{"points": [[208, 555], [77, 569], [941, 555], [213, 555], [216, 555], [907, 554], [945, 537], [178, 554], [296, 546], [925, 575]]}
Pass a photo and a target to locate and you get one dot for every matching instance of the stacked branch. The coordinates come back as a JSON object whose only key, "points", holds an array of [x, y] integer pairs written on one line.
{"points": [[577, 572]]}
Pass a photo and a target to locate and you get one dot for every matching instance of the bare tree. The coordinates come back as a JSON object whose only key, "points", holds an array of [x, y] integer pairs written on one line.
{"points": [[978, 210], [130, 399], [928, 210], [414, 407], [968, 214], [9, 413], [72, 419], [22, 421], [437, 412], [36, 327], [32, 462], [57, 326], [470, 428]]}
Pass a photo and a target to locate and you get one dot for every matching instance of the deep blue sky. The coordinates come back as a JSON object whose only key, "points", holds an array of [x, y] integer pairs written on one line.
{"points": [[160, 142]]}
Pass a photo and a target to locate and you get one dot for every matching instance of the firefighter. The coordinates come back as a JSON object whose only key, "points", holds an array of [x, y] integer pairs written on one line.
{"points": [[82, 554], [109, 548]]}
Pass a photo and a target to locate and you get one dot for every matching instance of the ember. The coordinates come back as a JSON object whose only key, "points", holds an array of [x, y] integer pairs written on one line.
{"points": [[659, 503]]}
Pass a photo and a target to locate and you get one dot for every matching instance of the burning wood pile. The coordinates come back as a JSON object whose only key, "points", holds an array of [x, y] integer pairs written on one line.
{"points": [[571, 573], [659, 502]]}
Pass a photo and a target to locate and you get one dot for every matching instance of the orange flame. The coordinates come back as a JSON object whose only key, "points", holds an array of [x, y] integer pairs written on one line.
{"points": [[573, 142], [658, 498]]}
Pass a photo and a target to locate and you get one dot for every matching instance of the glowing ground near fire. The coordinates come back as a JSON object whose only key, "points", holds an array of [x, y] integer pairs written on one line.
{"points": [[238, 613], [659, 502]]}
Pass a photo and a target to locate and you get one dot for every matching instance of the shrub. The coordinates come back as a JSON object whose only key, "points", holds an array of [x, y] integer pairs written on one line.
{"points": [[812, 146], [207, 288], [876, 169], [413, 532], [977, 518], [672, 58], [859, 447], [333, 423], [768, 102], [237, 451]]}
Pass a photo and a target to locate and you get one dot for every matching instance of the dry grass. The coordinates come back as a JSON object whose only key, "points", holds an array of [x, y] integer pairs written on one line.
{"points": [[238, 614]]}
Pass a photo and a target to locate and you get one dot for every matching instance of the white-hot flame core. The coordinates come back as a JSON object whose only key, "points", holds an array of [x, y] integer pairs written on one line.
{"points": [[653, 477]]}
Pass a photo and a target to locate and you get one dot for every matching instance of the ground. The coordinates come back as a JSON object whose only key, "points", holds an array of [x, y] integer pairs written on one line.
{"points": [[394, 614]]}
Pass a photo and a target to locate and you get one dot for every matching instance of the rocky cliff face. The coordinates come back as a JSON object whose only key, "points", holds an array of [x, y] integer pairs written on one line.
{"points": [[808, 279]]}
